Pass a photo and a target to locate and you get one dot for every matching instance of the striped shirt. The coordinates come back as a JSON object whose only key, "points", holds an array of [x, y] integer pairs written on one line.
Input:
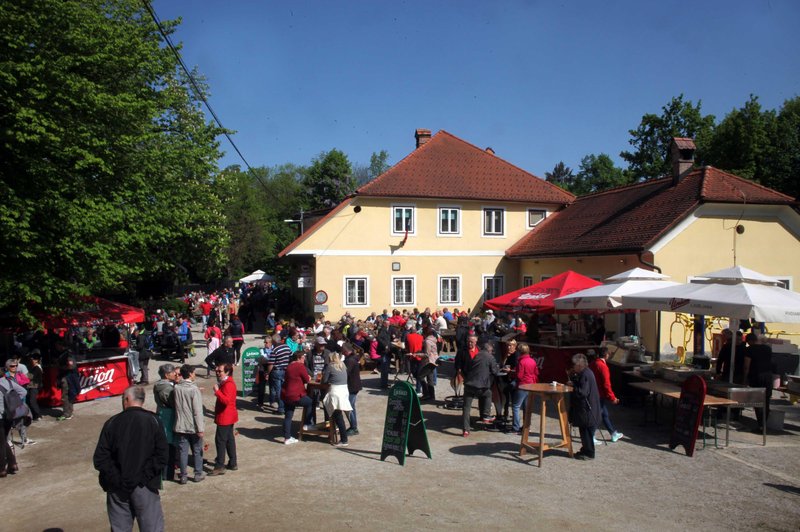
{"points": [[281, 356]]}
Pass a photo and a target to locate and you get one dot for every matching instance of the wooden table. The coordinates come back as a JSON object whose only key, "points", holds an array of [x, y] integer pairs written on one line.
{"points": [[673, 391], [545, 392], [327, 428]]}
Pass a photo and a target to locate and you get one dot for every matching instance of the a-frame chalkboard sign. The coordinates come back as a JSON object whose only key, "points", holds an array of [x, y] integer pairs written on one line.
{"points": [[404, 428], [688, 414]]}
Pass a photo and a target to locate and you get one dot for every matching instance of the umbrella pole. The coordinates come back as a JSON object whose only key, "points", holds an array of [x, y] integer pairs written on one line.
{"points": [[733, 328]]}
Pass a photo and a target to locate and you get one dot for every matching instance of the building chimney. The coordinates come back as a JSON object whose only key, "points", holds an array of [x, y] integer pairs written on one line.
{"points": [[422, 136], [490, 150], [682, 155]]}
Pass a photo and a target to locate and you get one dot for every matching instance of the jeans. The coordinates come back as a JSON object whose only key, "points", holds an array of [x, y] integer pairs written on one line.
{"points": [[261, 388], [519, 401], [237, 348], [224, 441], [384, 365], [276, 377], [196, 443], [353, 418], [338, 418], [484, 396], [606, 418], [304, 402]]}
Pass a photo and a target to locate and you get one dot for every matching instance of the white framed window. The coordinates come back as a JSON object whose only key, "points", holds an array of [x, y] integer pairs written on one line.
{"points": [[450, 290], [493, 286], [546, 277], [403, 291], [449, 221], [527, 280], [535, 216], [356, 291], [403, 219], [494, 221]]}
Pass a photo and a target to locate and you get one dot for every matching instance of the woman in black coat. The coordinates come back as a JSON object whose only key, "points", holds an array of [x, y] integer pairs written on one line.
{"points": [[584, 408]]}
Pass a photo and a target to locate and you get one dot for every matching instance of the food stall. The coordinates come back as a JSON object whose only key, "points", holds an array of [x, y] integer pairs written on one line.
{"points": [[553, 343], [103, 371]]}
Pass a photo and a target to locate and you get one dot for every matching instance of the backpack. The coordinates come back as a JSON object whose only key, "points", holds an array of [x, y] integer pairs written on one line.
{"points": [[14, 406]]}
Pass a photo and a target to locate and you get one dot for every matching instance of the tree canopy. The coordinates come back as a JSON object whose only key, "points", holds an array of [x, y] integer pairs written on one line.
{"points": [[329, 179], [108, 163]]}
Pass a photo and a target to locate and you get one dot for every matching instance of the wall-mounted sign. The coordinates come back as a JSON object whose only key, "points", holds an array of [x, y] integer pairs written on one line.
{"points": [[305, 282], [321, 297]]}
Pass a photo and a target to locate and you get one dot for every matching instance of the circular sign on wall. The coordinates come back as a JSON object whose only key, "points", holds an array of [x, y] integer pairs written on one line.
{"points": [[320, 297]]}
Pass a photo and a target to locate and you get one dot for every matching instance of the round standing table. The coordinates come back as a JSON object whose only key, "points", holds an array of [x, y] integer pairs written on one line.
{"points": [[546, 392]]}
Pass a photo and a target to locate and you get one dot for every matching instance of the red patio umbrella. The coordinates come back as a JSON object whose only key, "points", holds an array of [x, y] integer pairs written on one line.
{"points": [[540, 297]]}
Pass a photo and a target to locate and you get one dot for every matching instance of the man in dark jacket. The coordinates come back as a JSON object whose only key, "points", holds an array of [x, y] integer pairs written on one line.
{"points": [[584, 410], [224, 354], [353, 384], [758, 371], [478, 378], [130, 455]]}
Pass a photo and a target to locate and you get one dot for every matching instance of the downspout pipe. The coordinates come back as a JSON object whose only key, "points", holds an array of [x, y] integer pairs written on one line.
{"points": [[658, 317]]}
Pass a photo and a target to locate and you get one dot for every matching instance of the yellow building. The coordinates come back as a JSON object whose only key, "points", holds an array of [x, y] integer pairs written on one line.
{"points": [[432, 231], [694, 221], [452, 224]]}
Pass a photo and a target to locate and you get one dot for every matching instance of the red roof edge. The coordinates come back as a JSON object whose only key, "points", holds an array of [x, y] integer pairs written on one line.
{"points": [[750, 182], [300, 239], [571, 197]]}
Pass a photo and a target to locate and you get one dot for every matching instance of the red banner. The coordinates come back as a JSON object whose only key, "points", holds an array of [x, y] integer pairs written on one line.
{"points": [[98, 378], [102, 378]]}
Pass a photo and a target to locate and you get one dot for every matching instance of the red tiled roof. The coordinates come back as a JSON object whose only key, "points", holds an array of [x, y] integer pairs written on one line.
{"points": [[451, 168], [629, 219]]}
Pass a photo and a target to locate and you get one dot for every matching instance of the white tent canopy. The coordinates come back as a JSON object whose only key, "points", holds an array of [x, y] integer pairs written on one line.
{"points": [[258, 275], [738, 293], [609, 296]]}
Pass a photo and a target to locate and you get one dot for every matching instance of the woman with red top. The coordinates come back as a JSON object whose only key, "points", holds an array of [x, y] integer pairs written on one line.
{"points": [[527, 373], [225, 415], [294, 393], [603, 377]]}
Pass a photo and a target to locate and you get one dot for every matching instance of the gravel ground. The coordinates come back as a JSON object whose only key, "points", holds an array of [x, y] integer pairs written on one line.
{"points": [[475, 483]]}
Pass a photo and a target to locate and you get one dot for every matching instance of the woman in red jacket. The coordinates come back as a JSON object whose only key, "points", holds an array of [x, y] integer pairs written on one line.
{"points": [[603, 377], [293, 394], [225, 415], [527, 373]]}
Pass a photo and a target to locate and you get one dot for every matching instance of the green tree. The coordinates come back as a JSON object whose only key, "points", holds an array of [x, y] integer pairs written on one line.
{"points": [[561, 176], [329, 179], [108, 165], [651, 140], [782, 163], [741, 143], [597, 173], [378, 163]]}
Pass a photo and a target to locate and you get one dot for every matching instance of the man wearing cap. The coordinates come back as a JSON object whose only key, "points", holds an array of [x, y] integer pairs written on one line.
{"points": [[279, 360], [319, 358]]}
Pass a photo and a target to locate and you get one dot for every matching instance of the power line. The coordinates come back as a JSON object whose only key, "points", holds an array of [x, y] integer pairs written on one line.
{"points": [[197, 90]]}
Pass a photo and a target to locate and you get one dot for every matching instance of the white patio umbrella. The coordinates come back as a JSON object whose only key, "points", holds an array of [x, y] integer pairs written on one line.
{"points": [[258, 275], [609, 296], [738, 293]]}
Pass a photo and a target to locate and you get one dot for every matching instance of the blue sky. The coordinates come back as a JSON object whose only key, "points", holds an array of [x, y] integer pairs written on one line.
{"points": [[539, 82]]}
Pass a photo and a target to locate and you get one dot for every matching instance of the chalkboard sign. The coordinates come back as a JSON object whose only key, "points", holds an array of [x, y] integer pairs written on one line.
{"points": [[249, 369], [404, 428], [688, 414]]}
